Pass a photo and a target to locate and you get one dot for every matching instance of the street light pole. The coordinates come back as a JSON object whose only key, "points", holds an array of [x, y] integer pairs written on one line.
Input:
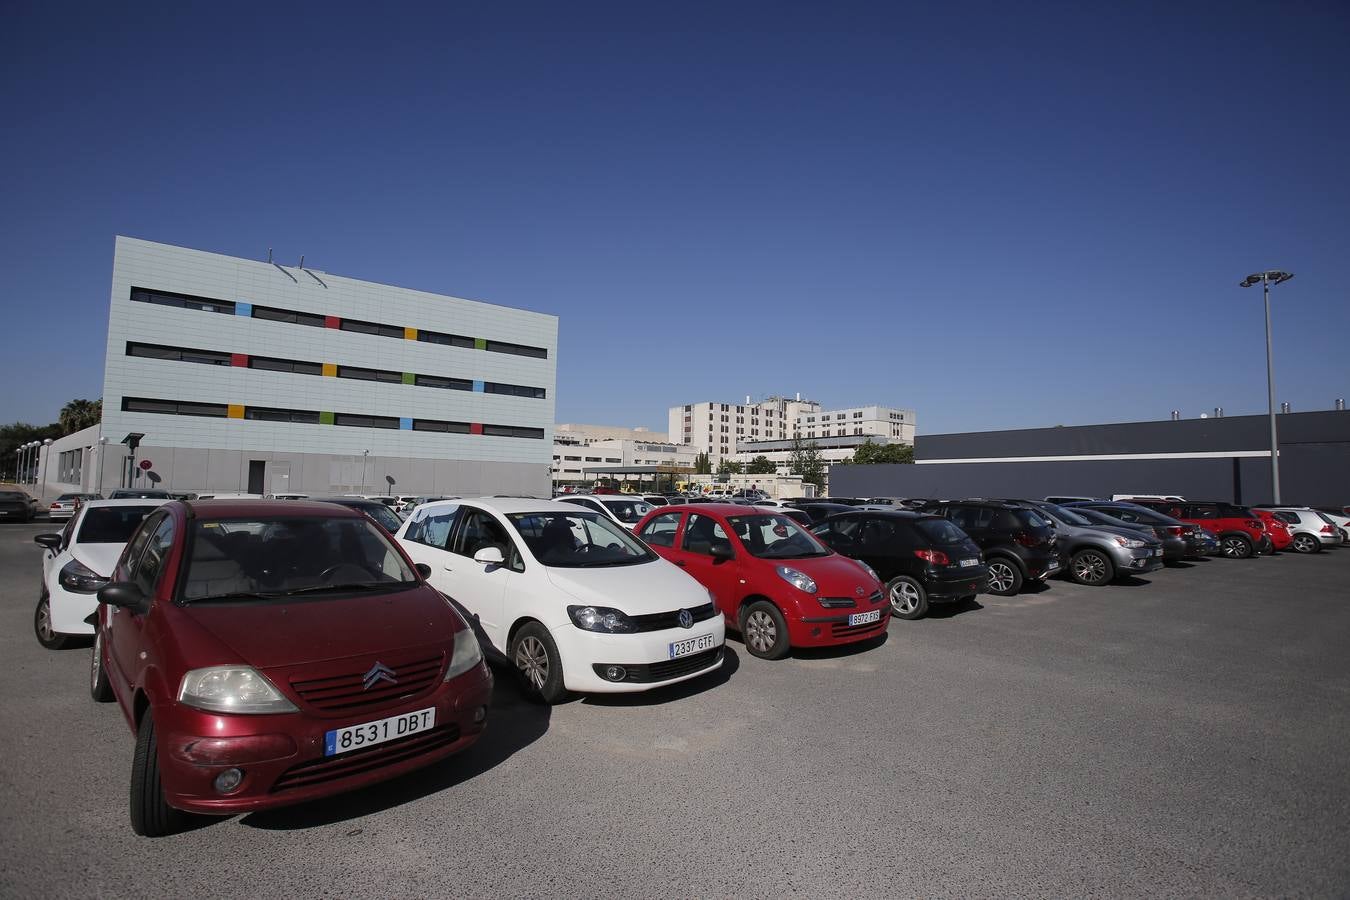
{"points": [[46, 460], [1272, 276]]}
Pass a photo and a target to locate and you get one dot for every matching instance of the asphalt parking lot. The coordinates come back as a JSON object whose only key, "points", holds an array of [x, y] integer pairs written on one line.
{"points": [[1185, 734]]}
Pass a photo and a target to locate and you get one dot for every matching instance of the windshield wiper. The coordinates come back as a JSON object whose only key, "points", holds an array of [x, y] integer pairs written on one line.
{"points": [[235, 595], [347, 586]]}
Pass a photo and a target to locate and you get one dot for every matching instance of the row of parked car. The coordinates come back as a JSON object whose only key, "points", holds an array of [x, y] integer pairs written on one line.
{"points": [[266, 652]]}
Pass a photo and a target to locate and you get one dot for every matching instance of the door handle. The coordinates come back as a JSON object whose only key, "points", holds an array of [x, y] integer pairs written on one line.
{"points": [[449, 568]]}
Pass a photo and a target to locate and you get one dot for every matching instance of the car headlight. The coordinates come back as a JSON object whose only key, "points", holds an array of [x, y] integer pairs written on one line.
{"points": [[465, 654], [800, 580], [1129, 542], [602, 619], [870, 571], [232, 689], [76, 576]]}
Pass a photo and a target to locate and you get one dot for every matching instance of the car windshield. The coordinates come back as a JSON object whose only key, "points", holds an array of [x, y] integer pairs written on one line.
{"points": [[69, 497], [138, 495], [265, 559], [578, 540], [775, 537], [110, 524], [12, 495], [940, 531], [387, 518], [627, 511], [1066, 515]]}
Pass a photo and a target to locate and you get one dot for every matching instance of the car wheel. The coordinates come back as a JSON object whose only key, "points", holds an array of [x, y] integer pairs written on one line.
{"points": [[1236, 547], [536, 659], [150, 815], [908, 598], [1306, 543], [99, 686], [764, 630], [42, 626], [1091, 567], [1005, 579]]}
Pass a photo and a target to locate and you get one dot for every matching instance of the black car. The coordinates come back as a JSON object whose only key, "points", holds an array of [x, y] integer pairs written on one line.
{"points": [[16, 506], [820, 511], [1019, 545], [139, 494], [385, 517], [921, 558], [1180, 539]]}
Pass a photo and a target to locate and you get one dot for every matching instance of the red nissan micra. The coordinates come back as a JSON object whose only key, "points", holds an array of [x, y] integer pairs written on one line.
{"points": [[270, 652], [773, 581]]}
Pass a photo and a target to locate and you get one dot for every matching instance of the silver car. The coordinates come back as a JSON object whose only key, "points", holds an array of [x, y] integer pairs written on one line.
{"points": [[1096, 554], [1311, 529]]}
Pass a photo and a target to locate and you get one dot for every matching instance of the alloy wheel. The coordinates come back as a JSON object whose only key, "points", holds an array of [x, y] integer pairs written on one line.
{"points": [[904, 598], [1000, 576], [760, 631], [1305, 543], [532, 661], [1090, 568], [1234, 548], [44, 620]]}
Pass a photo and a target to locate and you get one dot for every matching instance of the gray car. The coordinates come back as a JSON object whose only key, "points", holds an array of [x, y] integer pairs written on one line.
{"points": [[1096, 554]]}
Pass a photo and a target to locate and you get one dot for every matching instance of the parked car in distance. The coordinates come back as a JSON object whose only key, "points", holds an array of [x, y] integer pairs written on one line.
{"points": [[1066, 499], [64, 506], [575, 602], [1095, 554], [770, 578], [1241, 532], [77, 561], [266, 653], [385, 517], [1139, 498], [624, 509], [1180, 540], [138, 494], [1018, 545], [797, 515], [228, 495], [17, 506], [920, 558], [1281, 538], [287, 497], [1339, 519], [1309, 529], [819, 510]]}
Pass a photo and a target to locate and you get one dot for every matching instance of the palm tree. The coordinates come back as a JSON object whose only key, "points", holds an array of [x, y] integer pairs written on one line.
{"points": [[79, 414]]}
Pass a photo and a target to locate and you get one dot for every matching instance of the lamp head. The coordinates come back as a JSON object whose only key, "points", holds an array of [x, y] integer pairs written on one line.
{"points": [[1273, 276]]}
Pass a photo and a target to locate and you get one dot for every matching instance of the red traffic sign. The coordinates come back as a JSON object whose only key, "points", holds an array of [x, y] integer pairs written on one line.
{"points": [[146, 464]]}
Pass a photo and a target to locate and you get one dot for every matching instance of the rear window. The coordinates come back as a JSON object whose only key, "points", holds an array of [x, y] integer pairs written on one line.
{"points": [[627, 511], [940, 531], [1021, 520], [111, 524]]}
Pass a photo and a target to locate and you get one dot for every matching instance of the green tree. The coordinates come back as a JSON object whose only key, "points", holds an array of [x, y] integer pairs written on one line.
{"points": [[869, 453], [78, 414], [17, 434], [761, 465], [702, 464], [729, 467], [806, 462]]}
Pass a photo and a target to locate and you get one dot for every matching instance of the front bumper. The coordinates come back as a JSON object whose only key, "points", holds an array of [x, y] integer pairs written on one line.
{"points": [[645, 655], [69, 609], [954, 586], [834, 630], [282, 756]]}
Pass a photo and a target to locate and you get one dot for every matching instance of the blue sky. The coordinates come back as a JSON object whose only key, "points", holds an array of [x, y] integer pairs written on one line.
{"points": [[1001, 215]]}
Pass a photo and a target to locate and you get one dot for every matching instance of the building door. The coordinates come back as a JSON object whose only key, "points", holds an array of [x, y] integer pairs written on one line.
{"points": [[257, 471]]}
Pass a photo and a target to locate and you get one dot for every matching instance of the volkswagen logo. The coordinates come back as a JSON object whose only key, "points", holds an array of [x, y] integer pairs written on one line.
{"points": [[378, 672], [686, 619]]}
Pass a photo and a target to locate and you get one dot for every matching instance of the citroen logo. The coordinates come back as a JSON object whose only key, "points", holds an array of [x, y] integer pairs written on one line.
{"points": [[378, 672], [686, 619]]}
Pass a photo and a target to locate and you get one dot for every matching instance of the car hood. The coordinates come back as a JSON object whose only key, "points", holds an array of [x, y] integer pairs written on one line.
{"points": [[271, 634], [101, 558], [834, 575], [653, 587]]}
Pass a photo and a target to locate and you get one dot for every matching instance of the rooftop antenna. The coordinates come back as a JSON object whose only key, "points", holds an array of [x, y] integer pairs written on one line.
{"points": [[302, 260], [269, 254]]}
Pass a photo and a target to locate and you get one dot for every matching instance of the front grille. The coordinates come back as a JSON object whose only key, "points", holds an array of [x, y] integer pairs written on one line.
{"points": [[663, 620], [359, 762], [844, 630], [646, 673], [347, 693]]}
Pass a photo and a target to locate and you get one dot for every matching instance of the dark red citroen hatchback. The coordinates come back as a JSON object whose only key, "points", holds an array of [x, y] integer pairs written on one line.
{"points": [[271, 652]]}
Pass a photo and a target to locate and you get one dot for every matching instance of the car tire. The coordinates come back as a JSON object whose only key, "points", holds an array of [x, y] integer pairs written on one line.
{"points": [[908, 598], [1305, 543], [535, 656], [151, 816], [764, 630], [1005, 579], [1235, 546], [100, 688], [42, 625], [1091, 567]]}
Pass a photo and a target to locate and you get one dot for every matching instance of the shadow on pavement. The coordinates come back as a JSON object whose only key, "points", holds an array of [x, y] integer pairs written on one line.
{"points": [[840, 650], [731, 661], [948, 610]]}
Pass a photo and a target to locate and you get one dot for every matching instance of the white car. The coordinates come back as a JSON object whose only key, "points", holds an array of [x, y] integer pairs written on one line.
{"points": [[77, 561], [625, 509], [575, 602], [1312, 530], [1340, 520]]}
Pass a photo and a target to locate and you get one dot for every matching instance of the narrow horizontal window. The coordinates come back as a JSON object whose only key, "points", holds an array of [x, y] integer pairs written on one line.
{"points": [[264, 414], [437, 425], [174, 407], [393, 331], [515, 431], [437, 381], [450, 340], [272, 314], [365, 421], [181, 354], [370, 374], [182, 301], [513, 390], [516, 349], [297, 366]]}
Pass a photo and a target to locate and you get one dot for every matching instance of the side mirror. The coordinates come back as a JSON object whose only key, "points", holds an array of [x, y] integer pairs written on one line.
{"points": [[489, 556], [50, 540], [124, 595], [423, 569], [722, 551]]}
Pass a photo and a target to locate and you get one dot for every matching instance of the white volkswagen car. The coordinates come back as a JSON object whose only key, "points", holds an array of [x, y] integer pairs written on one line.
{"points": [[571, 598], [626, 509], [77, 561]]}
